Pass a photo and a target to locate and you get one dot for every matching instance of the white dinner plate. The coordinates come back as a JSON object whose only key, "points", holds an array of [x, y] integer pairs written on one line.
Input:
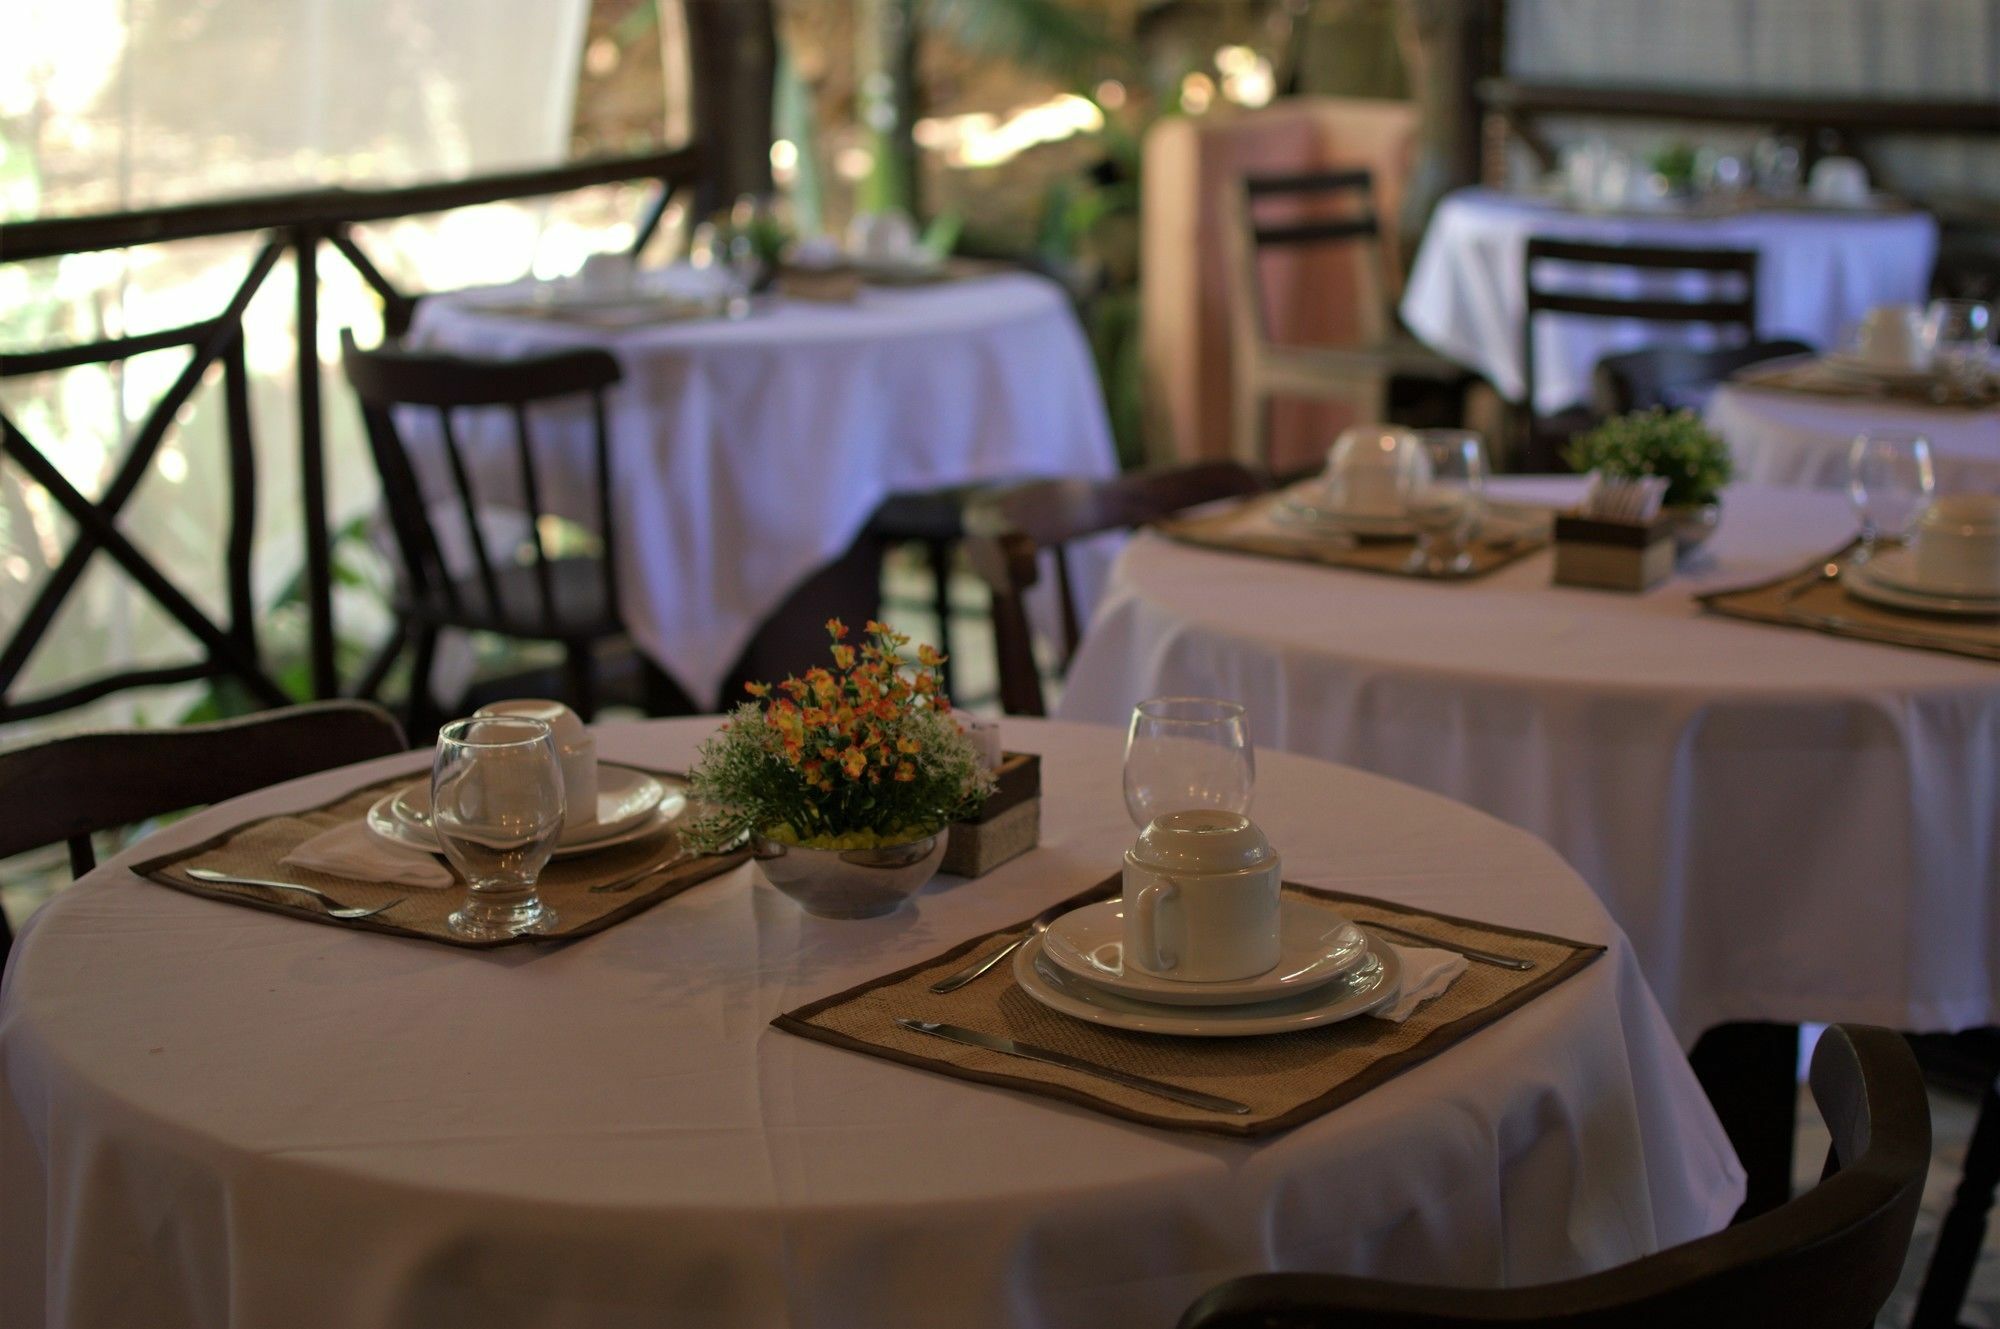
{"points": [[626, 796], [1898, 568], [1864, 582], [384, 824], [1302, 509], [1868, 371], [1375, 982], [1316, 946]]}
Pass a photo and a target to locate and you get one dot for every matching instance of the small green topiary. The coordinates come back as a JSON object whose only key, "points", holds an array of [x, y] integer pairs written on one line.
{"points": [[1675, 444]]}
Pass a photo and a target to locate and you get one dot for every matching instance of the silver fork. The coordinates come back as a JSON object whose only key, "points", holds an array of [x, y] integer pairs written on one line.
{"points": [[631, 879], [954, 981], [333, 907]]}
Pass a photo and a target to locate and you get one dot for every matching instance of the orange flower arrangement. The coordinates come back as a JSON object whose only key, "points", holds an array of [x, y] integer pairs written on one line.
{"points": [[860, 756]]}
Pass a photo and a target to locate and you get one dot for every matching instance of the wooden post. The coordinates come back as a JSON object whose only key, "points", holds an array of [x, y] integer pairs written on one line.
{"points": [[1448, 46], [733, 56]]}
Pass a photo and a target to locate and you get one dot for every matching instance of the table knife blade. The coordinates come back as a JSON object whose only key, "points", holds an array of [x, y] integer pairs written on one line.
{"points": [[995, 1043]]}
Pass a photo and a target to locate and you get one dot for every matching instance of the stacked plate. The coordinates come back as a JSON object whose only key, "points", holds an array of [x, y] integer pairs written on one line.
{"points": [[631, 805], [1890, 579], [1326, 972]]}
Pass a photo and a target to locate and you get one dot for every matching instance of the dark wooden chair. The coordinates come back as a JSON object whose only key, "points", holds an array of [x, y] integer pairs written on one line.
{"points": [[1828, 1259], [524, 593], [1676, 376], [1009, 530], [1339, 208], [68, 789], [1729, 304]]}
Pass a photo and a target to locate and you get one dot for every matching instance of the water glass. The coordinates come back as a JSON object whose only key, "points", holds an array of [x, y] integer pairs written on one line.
{"points": [[1446, 508], [1183, 753], [497, 806], [1959, 336], [1890, 479]]}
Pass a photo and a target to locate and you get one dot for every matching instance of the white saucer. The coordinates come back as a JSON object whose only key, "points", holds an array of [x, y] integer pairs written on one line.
{"points": [[625, 797], [1853, 366], [384, 824], [1864, 581], [1315, 946], [1372, 984]]}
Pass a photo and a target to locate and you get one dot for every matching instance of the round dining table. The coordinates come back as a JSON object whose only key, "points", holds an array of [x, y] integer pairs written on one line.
{"points": [[749, 452], [1790, 826], [1818, 272], [1786, 437], [213, 1115]]}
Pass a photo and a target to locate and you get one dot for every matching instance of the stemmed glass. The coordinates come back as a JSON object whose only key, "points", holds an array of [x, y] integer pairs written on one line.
{"points": [[1959, 336], [1889, 478], [1447, 507], [1187, 752], [497, 806]]}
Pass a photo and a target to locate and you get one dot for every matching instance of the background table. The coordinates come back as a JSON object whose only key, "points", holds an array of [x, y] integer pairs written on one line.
{"points": [[1793, 438], [212, 1114], [1818, 273], [747, 454], [1790, 826]]}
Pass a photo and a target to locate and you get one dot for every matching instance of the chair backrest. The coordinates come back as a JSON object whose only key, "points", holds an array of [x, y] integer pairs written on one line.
{"points": [[390, 377], [67, 789], [1649, 267], [1322, 207], [1671, 376], [1828, 1259], [1006, 533]]}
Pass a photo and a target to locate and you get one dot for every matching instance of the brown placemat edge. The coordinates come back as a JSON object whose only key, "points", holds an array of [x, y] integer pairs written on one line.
{"points": [[1722, 603], [1583, 954], [1188, 531]]}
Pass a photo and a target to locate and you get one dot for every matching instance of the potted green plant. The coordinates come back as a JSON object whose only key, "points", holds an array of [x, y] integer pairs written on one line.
{"points": [[843, 782], [1674, 444]]}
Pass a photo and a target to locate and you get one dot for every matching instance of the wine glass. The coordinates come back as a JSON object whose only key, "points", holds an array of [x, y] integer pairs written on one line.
{"points": [[1187, 752], [1446, 507], [1959, 336], [497, 806], [1889, 478]]}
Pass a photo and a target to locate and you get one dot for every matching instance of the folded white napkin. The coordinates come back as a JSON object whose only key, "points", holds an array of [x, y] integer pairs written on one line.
{"points": [[1426, 974], [350, 851]]}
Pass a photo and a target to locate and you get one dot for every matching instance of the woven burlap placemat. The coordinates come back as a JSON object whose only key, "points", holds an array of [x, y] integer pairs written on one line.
{"points": [[1285, 1079], [1815, 378], [255, 848], [1809, 598], [1250, 527]]}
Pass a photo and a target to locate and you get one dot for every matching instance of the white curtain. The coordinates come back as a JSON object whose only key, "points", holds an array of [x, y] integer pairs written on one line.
{"points": [[112, 104], [1947, 50]]}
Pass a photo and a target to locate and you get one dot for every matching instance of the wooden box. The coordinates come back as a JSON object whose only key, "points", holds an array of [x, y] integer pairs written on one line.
{"points": [[1008, 826], [1613, 555]]}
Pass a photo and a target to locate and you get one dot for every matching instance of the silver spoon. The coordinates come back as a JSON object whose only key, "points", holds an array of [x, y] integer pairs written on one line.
{"points": [[333, 907]]}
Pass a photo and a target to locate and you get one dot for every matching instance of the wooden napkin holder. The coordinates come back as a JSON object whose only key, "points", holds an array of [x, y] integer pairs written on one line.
{"points": [[1613, 555], [1008, 826], [826, 285]]}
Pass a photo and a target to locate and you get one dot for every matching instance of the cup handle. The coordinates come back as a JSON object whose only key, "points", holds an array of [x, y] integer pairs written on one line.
{"points": [[1146, 907]]}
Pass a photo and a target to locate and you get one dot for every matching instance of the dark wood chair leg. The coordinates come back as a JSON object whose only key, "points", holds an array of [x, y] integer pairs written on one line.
{"points": [[1963, 1230], [580, 677], [420, 712], [938, 554], [1750, 1072]]}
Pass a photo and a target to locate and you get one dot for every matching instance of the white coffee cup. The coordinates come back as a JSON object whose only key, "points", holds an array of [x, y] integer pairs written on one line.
{"points": [[1371, 469], [575, 749], [1957, 544], [1201, 898], [1838, 180], [1892, 336]]}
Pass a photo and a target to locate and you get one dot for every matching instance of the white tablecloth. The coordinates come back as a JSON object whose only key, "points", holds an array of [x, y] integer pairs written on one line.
{"points": [[213, 1115], [1818, 273], [1789, 826], [1791, 438], [748, 454]]}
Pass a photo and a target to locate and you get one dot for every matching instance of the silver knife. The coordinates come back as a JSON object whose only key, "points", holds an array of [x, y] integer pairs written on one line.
{"points": [[1028, 1051], [1484, 957]]}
